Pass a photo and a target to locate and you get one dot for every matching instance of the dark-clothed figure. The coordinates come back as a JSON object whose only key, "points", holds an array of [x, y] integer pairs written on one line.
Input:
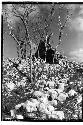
{"points": [[49, 56], [41, 50], [46, 53]]}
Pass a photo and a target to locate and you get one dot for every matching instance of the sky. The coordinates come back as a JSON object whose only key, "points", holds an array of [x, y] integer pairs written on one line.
{"points": [[72, 37]]}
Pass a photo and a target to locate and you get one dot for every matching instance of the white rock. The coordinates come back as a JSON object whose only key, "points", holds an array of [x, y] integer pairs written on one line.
{"points": [[20, 66], [59, 114], [38, 62], [43, 116], [53, 78], [51, 84], [61, 87], [56, 78], [23, 61], [54, 116], [79, 99], [46, 88], [35, 102], [42, 108], [62, 97], [12, 113], [46, 108], [10, 86], [18, 84], [53, 93], [23, 83], [30, 106], [54, 102], [19, 105], [44, 76], [71, 82], [37, 93], [44, 99], [19, 116], [59, 90], [75, 116], [72, 92], [50, 108], [46, 66]]}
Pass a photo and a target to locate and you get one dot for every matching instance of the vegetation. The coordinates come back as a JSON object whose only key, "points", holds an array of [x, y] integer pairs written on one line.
{"points": [[35, 87]]}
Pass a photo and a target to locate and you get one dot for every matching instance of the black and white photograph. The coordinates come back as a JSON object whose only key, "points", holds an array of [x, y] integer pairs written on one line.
{"points": [[41, 61]]}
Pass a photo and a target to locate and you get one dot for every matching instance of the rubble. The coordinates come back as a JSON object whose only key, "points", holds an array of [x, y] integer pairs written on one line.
{"points": [[54, 85]]}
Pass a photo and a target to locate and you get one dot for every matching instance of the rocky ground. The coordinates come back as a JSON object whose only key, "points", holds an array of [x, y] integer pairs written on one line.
{"points": [[55, 92]]}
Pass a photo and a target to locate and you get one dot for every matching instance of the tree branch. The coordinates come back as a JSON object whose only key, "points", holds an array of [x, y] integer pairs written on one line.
{"points": [[23, 74], [22, 17], [16, 12], [61, 26], [14, 37]]}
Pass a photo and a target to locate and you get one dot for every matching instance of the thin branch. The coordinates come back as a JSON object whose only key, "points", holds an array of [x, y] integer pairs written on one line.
{"points": [[22, 17], [50, 19], [52, 9], [61, 26], [18, 42], [14, 37], [16, 12], [23, 74]]}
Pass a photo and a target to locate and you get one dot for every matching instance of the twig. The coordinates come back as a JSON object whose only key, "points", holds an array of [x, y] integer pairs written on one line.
{"points": [[16, 66]]}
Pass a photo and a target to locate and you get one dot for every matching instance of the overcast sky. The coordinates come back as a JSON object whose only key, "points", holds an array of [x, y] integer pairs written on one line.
{"points": [[72, 38]]}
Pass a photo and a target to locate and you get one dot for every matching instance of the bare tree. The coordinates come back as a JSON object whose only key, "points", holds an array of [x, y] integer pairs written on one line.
{"points": [[62, 26], [17, 16], [26, 21], [41, 28]]}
